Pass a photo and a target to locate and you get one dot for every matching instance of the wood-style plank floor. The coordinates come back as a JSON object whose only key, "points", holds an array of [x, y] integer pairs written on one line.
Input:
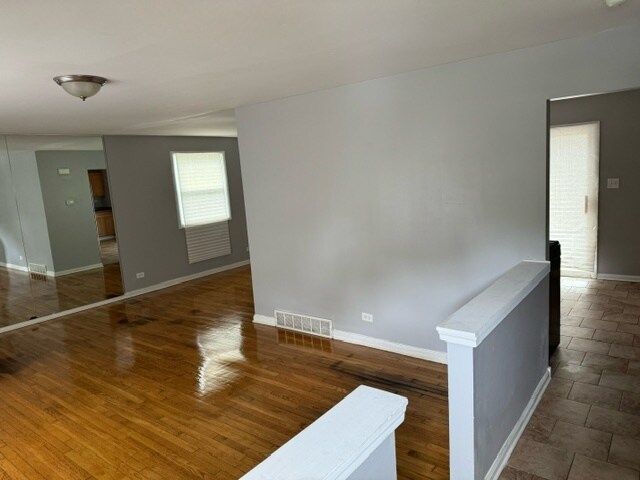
{"points": [[24, 296], [180, 384]]}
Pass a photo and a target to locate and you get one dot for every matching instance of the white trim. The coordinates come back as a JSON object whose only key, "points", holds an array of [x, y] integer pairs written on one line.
{"points": [[472, 323], [458, 337], [264, 320], [52, 273], [510, 443], [12, 266], [619, 278], [377, 343], [388, 346], [125, 296]]}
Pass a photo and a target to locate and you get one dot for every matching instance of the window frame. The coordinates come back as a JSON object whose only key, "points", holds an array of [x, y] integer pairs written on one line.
{"points": [[173, 154]]}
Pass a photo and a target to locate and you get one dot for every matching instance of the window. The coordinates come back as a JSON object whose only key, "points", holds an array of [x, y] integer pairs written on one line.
{"points": [[201, 188]]}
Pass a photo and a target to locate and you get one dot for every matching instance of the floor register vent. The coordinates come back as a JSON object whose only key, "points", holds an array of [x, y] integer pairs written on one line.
{"points": [[37, 269], [304, 323]]}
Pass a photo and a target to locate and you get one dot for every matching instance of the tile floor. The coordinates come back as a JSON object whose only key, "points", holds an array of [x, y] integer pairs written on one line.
{"points": [[587, 425]]}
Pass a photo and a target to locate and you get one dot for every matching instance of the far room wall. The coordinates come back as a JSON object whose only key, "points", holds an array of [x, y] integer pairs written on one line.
{"points": [[618, 218], [145, 211], [72, 228], [406, 196], [11, 245], [28, 196]]}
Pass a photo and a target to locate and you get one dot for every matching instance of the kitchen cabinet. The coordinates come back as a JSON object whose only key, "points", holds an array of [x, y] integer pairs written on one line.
{"points": [[104, 220]]}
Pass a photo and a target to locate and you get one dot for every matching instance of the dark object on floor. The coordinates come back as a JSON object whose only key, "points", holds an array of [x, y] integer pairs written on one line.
{"points": [[554, 296]]}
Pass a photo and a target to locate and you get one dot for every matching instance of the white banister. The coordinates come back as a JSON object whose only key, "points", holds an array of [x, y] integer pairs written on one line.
{"points": [[351, 441], [497, 355], [476, 320]]}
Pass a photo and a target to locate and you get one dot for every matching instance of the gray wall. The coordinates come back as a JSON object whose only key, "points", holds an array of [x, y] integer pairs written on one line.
{"points": [[11, 246], [72, 229], [143, 198], [618, 218], [508, 366], [31, 207], [406, 195]]}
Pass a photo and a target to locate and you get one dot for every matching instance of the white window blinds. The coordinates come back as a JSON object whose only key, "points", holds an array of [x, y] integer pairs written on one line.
{"points": [[573, 195], [201, 188], [207, 241]]}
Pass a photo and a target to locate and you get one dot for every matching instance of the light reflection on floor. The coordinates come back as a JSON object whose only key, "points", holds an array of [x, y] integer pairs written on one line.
{"points": [[288, 337], [219, 349], [125, 353]]}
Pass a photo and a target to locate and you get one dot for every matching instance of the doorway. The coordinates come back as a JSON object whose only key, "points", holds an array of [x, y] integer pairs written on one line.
{"points": [[98, 182], [573, 196]]}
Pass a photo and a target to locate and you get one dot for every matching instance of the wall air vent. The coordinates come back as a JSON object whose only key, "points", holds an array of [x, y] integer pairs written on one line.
{"points": [[304, 323]]}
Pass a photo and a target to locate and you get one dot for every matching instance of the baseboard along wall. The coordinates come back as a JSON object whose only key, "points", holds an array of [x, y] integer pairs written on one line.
{"points": [[124, 296], [372, 342]]}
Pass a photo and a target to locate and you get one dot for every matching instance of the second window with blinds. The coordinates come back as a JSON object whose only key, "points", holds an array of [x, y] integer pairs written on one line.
{"points": [[202, 197]]}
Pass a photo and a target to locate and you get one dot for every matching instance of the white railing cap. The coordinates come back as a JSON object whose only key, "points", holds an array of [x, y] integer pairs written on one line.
{"points": [[337, 443], [476, 320]]}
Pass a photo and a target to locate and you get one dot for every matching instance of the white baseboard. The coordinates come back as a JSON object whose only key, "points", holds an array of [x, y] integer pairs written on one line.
{"points": [[124, 296], [264, 320], [619, 278], [388, 346], [377, 343], [52, 273], [12, 266], [510, 443]]}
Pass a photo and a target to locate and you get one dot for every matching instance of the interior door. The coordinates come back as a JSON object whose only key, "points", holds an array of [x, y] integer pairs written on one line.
{"points": [[573, 202]]}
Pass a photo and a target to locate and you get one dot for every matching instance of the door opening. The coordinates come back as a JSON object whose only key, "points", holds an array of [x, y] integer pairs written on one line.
{"points": [[573, 196], [104, 217]]}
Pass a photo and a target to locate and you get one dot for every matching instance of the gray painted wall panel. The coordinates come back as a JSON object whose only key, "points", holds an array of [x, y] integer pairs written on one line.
{"points": [[11, 245], [405, 196], [144, 203], [31, 207], [72, 229], [508, 365], [618, 217]]}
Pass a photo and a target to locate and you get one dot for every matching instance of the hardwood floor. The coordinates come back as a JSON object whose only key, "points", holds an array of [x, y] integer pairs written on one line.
{"points": [[180, 384], [24, 296]]}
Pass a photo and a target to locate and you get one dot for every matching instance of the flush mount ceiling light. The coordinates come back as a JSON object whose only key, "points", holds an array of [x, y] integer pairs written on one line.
{"points": [[614, 3], [82, 86]]}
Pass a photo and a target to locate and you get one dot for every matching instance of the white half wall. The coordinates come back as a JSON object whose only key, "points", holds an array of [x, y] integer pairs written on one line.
{"points": [[406, 196], [498, 357], [355, 440]]}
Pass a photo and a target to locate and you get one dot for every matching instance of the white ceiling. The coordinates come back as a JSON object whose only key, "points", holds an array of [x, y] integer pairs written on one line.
{"points": [[182, 66]]}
